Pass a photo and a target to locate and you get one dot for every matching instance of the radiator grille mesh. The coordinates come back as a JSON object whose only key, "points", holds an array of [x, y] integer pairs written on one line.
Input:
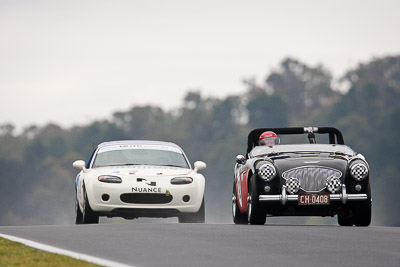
{"points": [[312, 178]]}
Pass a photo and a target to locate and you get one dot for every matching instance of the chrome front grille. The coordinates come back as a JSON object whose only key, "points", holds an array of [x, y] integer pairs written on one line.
{"points": [[312, 178]]}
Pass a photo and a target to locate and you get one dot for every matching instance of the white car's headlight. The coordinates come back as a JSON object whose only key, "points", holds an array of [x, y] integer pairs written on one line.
{"points": [[359, 170], [267, 172], [109, 179], [181, 180]]}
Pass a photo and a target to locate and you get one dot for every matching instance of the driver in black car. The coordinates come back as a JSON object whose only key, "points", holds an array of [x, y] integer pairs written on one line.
{"points": [[268, 138]]}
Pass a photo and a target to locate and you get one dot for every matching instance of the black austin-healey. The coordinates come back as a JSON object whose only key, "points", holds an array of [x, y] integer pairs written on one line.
{"points": [[307, 178]]}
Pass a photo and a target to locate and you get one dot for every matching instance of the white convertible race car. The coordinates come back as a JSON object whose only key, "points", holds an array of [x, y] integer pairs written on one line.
{"points": [[132, 179]]}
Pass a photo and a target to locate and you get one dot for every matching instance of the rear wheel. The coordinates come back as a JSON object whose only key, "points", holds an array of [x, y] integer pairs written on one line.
{"points": [[88, 215], [198, 217], [238, 218], [256, 214]]}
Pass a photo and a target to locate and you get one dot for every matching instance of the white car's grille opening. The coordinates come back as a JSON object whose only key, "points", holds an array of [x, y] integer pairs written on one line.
{"points": [[312, 178], [148, 198]]}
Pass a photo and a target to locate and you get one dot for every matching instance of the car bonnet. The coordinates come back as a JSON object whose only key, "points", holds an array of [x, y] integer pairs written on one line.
{"points": [[143, 170], [290, 161]]}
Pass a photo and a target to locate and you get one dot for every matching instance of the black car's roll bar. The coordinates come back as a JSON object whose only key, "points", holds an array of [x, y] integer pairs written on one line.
{"points": [[335, 136]]}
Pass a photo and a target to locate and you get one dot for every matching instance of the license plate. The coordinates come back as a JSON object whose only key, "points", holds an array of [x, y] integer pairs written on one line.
{"points": [[314, 199]]}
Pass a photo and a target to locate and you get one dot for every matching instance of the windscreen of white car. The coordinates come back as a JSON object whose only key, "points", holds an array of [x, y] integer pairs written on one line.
{"points": [[125, 155]]}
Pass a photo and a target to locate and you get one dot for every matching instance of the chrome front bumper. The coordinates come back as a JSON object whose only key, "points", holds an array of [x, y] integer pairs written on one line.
{"points": [[284, 197]]}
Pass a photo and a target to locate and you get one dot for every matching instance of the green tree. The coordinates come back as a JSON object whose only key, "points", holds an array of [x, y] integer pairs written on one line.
{"points": [[266, 110], [306, 90]]}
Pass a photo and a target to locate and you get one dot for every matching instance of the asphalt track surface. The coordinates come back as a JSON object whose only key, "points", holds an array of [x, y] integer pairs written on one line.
{"points": [[173, 244]]}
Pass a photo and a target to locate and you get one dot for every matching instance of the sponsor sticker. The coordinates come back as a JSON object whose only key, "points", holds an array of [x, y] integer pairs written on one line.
{"points": [[138, 147], [146, 182], [146, 190]]}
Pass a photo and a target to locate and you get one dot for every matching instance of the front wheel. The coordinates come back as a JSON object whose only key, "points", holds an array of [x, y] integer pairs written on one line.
{"points": [[238, 218], [345, 220], [198, 217], [362, 211], [88, 215], [78, 213], [256, 215]]}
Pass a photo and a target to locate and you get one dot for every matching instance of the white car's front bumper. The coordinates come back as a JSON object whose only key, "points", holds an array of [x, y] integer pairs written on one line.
{"points": [[106, 197]]}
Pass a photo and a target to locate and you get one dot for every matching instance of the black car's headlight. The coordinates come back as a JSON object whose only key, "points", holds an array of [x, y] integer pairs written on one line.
{"points": [[267, 172], [109, 179], [359, 170], [181, 180]]}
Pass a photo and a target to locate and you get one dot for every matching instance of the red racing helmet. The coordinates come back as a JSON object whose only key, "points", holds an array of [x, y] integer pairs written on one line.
{"points": [[268, 138]]}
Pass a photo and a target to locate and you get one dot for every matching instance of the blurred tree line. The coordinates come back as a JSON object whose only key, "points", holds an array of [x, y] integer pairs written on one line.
{"points": [[37, 177]]}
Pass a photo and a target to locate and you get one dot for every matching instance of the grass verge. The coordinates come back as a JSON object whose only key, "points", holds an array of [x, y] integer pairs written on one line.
{"points": [[17, 254]]}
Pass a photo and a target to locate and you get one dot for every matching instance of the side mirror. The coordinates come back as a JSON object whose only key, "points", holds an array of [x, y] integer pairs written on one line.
{"points": [[79, 164], [199, 165], [240, 159]]}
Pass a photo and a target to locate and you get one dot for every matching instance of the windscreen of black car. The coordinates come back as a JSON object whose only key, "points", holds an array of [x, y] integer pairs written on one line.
{"points": [[121, 155], [301, 148]]}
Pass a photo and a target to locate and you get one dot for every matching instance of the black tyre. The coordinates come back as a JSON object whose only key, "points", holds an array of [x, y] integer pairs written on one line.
{"points": [[238, 218], [78, 213], [88, 215], [363, 211], [256, 214], [345, 220], [198, 217]]}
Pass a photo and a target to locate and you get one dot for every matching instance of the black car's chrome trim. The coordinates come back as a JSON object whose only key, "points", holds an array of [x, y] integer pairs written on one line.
{"points": [[284, 197]]}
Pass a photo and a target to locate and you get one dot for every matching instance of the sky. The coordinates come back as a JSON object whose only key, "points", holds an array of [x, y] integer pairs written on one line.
{"points": [[73, 62]]}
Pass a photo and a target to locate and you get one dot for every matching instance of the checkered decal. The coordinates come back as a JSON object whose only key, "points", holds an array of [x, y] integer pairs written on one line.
{"points": [[292, 185], [333, 184], [359, 171], [267, 172]]}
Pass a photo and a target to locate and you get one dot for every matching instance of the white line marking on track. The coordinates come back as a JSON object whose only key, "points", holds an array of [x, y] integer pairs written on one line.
{"points": [[65, 252]]}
